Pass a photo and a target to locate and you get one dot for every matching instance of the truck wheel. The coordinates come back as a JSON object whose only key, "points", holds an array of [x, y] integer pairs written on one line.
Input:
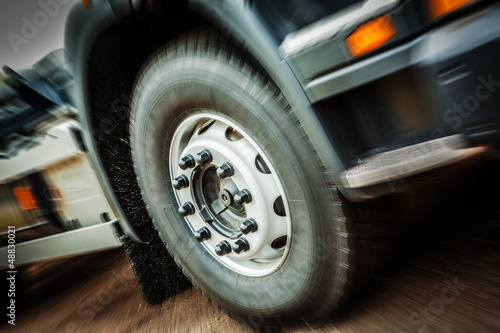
{"points": [[234, 186]]}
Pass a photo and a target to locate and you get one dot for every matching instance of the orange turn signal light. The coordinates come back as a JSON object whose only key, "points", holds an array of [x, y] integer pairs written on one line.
{"points": [[86, 3], [25, 198], [440, 8], [371, 35]]}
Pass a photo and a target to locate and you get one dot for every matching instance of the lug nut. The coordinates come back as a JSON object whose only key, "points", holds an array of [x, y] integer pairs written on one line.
{"points": [[204, 157], [248, 226], [186, 209], [242, 197], [223, 248], [180, 182], [202, 234], [241, 245], [187, 162], [225, 170]]}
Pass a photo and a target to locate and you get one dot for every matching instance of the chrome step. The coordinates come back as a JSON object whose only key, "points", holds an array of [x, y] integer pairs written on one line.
{"points": [[407, 161]]}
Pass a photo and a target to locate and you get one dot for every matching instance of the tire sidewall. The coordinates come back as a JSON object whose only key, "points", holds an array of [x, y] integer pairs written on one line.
{"points": [[174, 88]]}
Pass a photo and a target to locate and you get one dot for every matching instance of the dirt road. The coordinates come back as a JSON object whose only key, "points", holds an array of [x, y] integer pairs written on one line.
{"points": [[447, 281]]}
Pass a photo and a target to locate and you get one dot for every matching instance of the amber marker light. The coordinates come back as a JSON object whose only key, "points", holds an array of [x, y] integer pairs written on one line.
{"points": [[25, 198], [441, 8], [86, 3], [371, 35]]}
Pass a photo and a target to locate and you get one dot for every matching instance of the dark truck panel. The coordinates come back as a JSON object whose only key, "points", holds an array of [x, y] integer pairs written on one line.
{"points": [[436, 85]]}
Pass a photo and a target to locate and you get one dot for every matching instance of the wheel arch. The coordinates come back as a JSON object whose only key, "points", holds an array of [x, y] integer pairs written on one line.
{"points": [[123, 34], [107, 46]]}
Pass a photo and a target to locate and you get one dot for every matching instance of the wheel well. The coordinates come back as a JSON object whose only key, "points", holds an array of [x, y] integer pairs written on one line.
{"points": [[121, 50], [116, 58]]}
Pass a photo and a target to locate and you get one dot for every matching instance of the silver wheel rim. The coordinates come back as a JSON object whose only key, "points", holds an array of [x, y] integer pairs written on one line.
{"points": [[261, 251]]}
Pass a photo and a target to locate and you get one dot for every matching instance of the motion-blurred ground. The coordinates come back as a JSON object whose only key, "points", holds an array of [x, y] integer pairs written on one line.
{"points": [[446, 278]]}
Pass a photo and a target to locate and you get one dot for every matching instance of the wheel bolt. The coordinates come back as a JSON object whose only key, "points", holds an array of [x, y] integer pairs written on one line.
{"points": [[223, 248], [242, 197], [202, 234], [187, 162], [225, 170], [204, 157], [180, 182], [241, 245], [248, 226], [186, 209]]}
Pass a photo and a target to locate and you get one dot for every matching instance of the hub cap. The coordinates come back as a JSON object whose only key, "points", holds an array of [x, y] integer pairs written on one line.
{"points": [[232, 183]]}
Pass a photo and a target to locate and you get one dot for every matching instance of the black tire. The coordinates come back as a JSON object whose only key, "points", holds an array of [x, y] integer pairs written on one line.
{"points": [[203, 72]]}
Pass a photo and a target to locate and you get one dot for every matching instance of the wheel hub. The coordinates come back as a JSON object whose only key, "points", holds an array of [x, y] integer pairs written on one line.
{"points": [[226, 197], [234, 190]]}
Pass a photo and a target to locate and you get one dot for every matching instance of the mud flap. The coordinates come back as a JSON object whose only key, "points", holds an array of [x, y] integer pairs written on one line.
{"points": [[155, 270]]}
